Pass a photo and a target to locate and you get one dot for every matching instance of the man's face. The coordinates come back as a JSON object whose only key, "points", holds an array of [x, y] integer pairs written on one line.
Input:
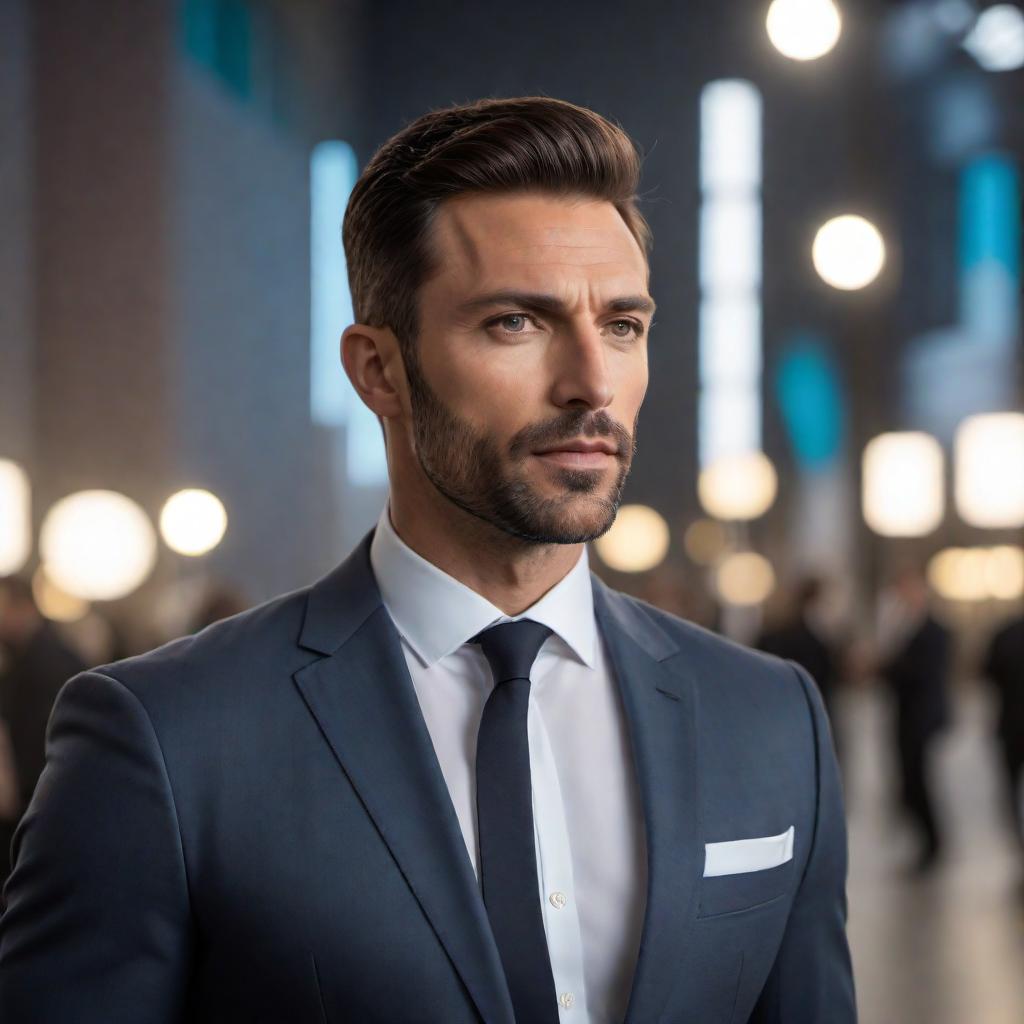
{"points": [[532, 340]]}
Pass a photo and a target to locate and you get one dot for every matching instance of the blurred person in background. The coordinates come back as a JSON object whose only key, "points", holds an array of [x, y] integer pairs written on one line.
{"points": [[9, 800], [798, 634], [666, 587], [37, 661], [914, 658], [220, 601], [1003, 666]]}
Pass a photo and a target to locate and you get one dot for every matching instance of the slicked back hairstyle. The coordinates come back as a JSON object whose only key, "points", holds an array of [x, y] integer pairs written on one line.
{"points": [[528, 143]]}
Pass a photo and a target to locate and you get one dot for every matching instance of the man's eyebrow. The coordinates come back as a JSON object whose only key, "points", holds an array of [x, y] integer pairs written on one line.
{"points": [[552, 303]]}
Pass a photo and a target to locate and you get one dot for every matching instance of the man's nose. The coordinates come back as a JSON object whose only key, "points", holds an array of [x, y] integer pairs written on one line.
{"points": [[581, 372]]}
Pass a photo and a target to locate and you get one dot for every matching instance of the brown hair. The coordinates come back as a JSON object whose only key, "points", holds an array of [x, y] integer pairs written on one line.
{"points": [[491, 145]]}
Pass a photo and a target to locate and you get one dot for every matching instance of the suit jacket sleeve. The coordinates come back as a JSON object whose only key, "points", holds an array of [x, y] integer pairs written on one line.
{"points": [[97, 924], [811, 981]]}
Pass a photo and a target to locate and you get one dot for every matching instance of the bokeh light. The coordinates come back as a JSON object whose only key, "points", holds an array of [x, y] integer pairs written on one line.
{"points": [[848, 252], [902, 481], [996, 41], [97, 545], [803, 29], [193, 521], [744, 578], [15, 517], [705, 541], [1004, 572], [989, 470], [958, 574], [56, 604], [637, 541], [738, 487], [978, 574]]}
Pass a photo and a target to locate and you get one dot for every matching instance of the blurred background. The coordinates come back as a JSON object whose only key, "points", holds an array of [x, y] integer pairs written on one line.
{"points": [[831, 454]]}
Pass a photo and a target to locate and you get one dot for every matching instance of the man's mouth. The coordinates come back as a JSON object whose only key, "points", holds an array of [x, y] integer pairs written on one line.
{"points": [[587, 453]]}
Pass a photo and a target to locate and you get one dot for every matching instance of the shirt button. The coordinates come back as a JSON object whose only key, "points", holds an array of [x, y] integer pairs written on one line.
{"points": [[566, 999], [558, 900]]}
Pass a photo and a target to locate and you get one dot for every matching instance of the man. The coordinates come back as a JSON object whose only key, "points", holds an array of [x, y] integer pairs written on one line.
{"points": [[1004, 668], [917, 656], [349, 803], [797, 636], [35, 665]]}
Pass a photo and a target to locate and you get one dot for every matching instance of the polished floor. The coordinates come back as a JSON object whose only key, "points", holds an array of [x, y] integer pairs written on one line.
{"points": [[948, 947]]}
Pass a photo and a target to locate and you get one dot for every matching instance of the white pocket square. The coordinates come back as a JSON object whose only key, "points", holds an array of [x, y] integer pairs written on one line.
{"points": [[739, 855]]}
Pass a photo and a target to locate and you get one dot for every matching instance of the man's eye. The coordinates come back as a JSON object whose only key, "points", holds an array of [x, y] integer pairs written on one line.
{"points": [[511, 323], [517, 323], [631, 327]]}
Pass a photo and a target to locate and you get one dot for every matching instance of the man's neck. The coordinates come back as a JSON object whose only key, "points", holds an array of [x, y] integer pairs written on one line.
{"points": [[511, 573]]}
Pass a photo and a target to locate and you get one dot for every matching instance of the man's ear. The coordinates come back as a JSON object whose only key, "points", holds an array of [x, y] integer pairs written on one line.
{"points": [[371, 358]]}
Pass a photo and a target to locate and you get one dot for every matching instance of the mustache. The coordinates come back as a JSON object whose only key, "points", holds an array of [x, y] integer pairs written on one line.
{"points": [[583, 423]]}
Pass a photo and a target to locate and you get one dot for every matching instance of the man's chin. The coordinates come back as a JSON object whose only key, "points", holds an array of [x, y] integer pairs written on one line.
{"points": [[570, 526], [583, 480]]}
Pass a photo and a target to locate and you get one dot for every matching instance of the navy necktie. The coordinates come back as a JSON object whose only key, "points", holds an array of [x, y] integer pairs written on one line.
{"points": [[504, 807]]}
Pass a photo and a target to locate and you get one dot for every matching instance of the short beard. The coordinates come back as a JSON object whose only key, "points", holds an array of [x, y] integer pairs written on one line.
{"points": [[467, 468]]}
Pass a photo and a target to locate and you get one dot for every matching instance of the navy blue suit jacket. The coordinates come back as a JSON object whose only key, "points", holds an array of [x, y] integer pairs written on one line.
{"points": [[250, 825]]}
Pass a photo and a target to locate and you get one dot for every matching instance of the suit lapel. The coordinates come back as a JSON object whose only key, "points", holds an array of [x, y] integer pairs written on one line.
{"points": [[364, 701], [660, 703]]}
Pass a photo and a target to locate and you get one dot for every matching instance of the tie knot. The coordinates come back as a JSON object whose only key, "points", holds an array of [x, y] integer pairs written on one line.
{"points": [[511, 647]]}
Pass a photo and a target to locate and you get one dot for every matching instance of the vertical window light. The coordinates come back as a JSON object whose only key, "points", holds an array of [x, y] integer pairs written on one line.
{"points": [[990, 248], [15, 517], [730, 270], [332, 175], [333, 402]]}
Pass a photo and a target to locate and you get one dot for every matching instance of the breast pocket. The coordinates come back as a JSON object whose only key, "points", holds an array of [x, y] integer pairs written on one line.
{"points": [[744, 874]]}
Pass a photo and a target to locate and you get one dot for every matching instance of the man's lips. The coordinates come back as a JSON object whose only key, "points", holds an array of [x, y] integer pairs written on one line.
{"points": [[605, 447], [579, 454]]}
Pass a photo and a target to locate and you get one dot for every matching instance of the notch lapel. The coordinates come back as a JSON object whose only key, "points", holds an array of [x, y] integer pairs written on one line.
{"points": [[363, 698], [661, 708]]}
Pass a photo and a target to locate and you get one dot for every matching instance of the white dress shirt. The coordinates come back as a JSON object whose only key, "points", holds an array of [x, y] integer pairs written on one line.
{"points": [[588, 818]]}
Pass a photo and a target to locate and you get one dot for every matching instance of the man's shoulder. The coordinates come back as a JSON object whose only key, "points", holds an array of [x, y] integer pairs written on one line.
{"points": [[234, 652], [739, 691], [711, 658]]}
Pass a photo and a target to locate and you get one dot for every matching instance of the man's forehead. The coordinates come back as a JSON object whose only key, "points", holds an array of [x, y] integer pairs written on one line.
{"points": [[477, 231], [534, 242]]}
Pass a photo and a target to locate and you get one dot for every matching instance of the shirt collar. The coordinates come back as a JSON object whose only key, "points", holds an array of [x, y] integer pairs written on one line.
{"points": [[437, 614]]}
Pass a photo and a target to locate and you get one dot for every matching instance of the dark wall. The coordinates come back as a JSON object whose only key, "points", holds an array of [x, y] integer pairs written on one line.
{"points": [[99, 172], [16, 300]]}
